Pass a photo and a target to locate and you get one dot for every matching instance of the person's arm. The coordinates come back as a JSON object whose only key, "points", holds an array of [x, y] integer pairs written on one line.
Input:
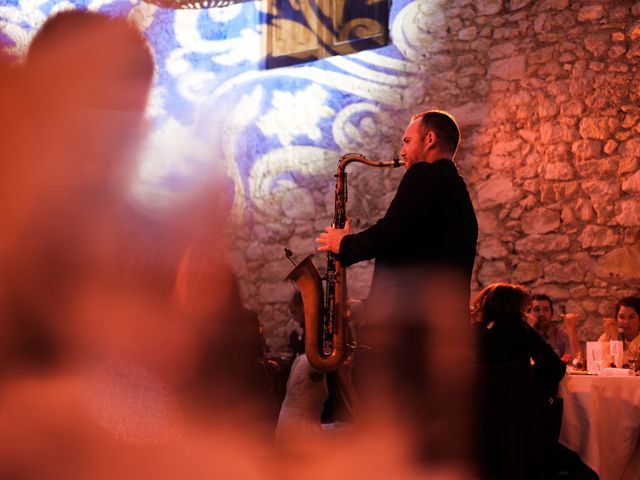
{"points": [[610, 328], [388, 232], [570, 326], [419, 184]]}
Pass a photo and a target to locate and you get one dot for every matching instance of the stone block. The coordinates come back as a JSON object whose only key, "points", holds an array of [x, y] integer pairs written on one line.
{"points": [[542, 243], [597, 44], [554, 291], [541, 220], [491, 272], [610, 147], [491, 248], [584, 210], [597, 128], [518, 4], [488, 7], [627, 165], [547, 108], [594, 236], [574, 108], [468, 34], [586, 148], [601, 191], [526, 272], [631, 184], [512, 68], [621, 263], [571, 272], [630, 148], [542, 55], [559, 171], [502, 50], [498, 190], [628, 213], [634, 30], [591, 13], [487, 222]]}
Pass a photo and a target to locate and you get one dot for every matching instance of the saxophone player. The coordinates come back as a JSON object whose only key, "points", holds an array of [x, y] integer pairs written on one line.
{"points": [[415, 350]]}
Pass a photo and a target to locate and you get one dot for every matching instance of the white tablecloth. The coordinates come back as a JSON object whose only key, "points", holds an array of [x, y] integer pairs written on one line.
{"points": [[601, 423]]}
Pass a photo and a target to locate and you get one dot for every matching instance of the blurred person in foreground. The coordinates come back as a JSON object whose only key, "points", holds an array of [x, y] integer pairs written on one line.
{"points": [[110, 376], [564, 341], [69, 175], [519, 372], [627, 322]]}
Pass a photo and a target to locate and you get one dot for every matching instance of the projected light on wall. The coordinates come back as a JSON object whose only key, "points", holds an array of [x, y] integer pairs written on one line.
{"points": [[267, 130], [303, 31], [194, 4]]}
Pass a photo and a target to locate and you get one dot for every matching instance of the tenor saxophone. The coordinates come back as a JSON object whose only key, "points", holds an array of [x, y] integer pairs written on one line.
{"points": [[325, 307]]}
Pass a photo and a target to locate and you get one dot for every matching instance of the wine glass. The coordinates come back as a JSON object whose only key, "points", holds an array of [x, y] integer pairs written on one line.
{"points": [[633, 360]]}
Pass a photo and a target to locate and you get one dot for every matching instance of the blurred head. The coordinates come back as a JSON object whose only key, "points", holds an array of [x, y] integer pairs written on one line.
{"points": [[430, 136], [93, 60], [89, 77], [542, 309], [500, 302], [628, 316]]}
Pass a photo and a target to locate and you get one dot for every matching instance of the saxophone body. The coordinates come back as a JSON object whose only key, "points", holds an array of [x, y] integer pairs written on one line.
{"points": [[325, 307]]}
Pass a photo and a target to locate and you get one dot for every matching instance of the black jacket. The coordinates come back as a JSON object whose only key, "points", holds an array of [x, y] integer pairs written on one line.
{"points": [[430, 223]]}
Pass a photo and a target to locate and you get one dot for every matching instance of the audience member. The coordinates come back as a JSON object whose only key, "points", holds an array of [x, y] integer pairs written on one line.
{"points": [[627, 321], [540, 318], [517, 426], [504, 336]]}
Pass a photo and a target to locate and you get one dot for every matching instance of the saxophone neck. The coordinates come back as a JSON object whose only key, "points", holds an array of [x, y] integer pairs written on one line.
{"points": [[357, 157]]}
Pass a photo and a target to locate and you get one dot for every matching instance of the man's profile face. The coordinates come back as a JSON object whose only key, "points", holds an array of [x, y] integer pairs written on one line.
{"points": [[412, 145], [541, 309]]}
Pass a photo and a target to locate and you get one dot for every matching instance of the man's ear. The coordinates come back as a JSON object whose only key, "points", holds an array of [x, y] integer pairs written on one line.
{"points": [[429, 140]]}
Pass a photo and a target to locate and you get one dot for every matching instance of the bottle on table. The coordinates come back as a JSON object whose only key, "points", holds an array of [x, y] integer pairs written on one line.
{"points": [[618, 354]]}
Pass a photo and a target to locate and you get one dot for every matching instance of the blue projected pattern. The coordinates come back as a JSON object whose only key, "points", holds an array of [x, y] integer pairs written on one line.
{"points": [[301, 31], [213, 105]]}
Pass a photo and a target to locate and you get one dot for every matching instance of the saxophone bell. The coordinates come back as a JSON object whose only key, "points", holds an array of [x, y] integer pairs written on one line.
{"points": [[325, 309]]}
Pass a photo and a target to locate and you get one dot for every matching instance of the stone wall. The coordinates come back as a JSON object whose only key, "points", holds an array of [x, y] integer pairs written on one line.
{"points": [[546, 92]]}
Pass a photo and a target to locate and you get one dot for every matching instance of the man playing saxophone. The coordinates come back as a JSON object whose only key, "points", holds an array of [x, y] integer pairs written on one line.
{"points": [[414, 343]]}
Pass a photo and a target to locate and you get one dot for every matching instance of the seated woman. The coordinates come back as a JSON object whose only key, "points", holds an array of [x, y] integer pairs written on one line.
{"points": [[505, 337], [517, 425], [627, 320]]}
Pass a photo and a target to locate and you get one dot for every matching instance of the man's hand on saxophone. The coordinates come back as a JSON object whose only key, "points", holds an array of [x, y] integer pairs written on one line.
{"points": [[330, 239]]}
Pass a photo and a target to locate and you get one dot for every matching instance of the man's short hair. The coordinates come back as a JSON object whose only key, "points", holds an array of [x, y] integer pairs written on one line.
{"points": [[443, 125], [543, 297]]}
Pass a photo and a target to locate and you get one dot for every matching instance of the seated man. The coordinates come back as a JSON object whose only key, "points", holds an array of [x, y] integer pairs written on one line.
{"points": [[540, 318]]}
